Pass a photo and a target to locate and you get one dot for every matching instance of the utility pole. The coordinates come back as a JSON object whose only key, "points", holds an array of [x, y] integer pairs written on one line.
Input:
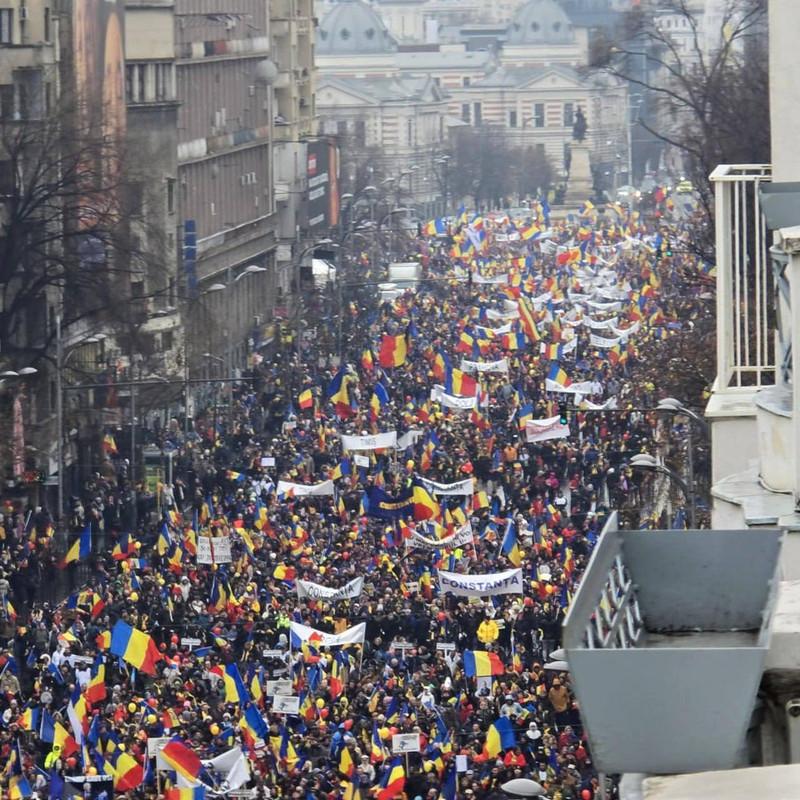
{"points": [[59, 418]]}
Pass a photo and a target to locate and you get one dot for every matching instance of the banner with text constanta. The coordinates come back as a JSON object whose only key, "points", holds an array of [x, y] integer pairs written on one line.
{"points": [[508, 582], [317, 592]]}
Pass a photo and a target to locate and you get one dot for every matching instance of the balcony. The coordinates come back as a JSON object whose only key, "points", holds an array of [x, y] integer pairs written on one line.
{"points": [[745, 294], [667, 636]]}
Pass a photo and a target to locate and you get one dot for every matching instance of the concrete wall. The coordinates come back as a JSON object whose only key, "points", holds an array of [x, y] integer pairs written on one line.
{"points": [[734, 445], [784, 89]]}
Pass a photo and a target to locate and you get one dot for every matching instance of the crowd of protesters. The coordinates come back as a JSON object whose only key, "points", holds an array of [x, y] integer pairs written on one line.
{"points": [[203, 618]]}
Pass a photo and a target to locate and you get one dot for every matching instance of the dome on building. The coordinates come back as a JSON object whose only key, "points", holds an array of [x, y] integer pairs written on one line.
{"points": [[540, 22], [353, 27]]}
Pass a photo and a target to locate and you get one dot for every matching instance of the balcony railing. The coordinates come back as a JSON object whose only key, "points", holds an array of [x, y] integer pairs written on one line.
{"points": [[746, 356]]}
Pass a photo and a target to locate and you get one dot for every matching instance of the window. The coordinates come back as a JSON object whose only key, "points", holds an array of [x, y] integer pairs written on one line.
{"points": [[465, 112], [7, 101], [512, 119], [476, 113], [361, 132], [410, 132], [341, 128], [166, 340], [569, 115], [137, 289], [6, 25], [47, 24], [466, 81], [170, 195], [163, 82], [134, 83], [538, 115]]}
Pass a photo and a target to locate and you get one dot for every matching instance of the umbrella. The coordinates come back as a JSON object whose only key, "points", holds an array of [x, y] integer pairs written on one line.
{"points": [[523, 787]]}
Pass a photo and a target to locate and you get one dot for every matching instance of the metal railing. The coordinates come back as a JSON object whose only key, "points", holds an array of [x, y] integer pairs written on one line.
{"points": [[746, 356]]}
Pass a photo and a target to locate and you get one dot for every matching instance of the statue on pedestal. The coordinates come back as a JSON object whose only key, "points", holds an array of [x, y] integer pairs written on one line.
{"points": [[580, 127]]}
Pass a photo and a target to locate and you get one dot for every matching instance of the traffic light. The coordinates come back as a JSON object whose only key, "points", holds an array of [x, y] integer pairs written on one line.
{"points": [[562, 414]]}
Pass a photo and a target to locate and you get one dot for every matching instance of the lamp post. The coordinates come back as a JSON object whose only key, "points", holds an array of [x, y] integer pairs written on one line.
{"points": [[61, 363], [648, 462], [298, 263], [671, 405]]}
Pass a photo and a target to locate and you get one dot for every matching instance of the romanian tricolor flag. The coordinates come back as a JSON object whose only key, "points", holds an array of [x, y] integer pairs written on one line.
{"points": [[480, 500], [379, 399], [124, 548], [557, 375], [176, 793], [135, 646], [19, 787], [109, 445], [29, 720], [127, 771], [339, 394], [393, 351], [499, 737], [460, 384], [394, 781], [482, 664], [63, 739], [527, 320], [235, 690], [377, 750], [367, 362], [513, 341], [96, 688], [181, 759], [346, 764], [305, 399], [342, 469], [425, 506], [80, 548], [510, 546]]}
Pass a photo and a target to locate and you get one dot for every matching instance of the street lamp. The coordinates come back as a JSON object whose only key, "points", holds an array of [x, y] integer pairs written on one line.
{"points": [[297, 265], [671, 405], [648, 462]]}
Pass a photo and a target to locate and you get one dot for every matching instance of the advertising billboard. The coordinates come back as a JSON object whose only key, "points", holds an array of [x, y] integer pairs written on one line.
{"points": [[322, 176]]}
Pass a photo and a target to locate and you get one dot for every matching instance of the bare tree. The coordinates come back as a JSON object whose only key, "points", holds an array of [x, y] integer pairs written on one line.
{"points": [[710, 98], [66, 203]]}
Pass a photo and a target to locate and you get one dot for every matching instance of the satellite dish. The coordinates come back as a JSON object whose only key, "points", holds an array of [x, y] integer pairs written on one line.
{"points": [[523, 787]]}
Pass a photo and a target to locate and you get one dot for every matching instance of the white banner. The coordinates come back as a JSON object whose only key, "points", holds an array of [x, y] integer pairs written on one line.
{"points": [[461, 537], [501, 315], [285, 704], [465, 487], [379, 441], [305, 489], [604, 306], [405, 743], [407, 439], [214, 550], [539, 430], [438, 395], [317, 592], [624, 333], [484, 366], [569, 346], [496, 279], [581, 387], [610, 404], [354, 635], [508, 582], [601, 341], [601, 323]]}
